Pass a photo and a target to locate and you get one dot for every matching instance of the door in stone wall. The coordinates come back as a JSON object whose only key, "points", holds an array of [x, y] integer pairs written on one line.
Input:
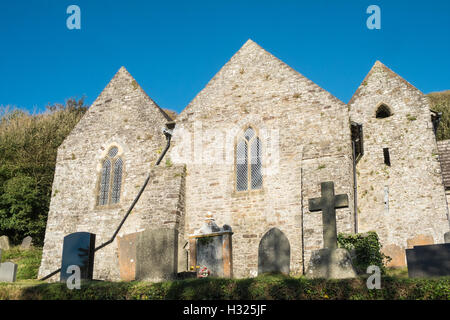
{"points": [[274, 253]]}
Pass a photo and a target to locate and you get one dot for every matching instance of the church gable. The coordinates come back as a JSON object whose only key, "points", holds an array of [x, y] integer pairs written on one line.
{"points": [[384, 87], [253, 75], [122, 107], [399, 156], [256, 88]]}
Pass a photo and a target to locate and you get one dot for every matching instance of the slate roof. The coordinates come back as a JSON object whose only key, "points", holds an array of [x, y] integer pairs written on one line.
{"points": [[444, 157]]}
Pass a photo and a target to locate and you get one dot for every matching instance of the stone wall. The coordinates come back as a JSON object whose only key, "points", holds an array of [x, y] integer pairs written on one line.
{"points": [[125, 117], [406, 200], [305, 139]]}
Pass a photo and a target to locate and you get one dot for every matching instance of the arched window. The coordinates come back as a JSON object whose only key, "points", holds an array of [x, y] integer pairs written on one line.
{"points": [[248, 161], [383, 111], [111, 178]]}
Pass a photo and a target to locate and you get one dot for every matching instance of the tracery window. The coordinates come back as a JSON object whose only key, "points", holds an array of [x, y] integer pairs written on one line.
{"points": [[249, 161], [110, 178]]}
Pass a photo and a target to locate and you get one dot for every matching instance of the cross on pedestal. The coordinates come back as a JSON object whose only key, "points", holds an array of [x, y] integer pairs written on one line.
{"points": [[327, 204]]}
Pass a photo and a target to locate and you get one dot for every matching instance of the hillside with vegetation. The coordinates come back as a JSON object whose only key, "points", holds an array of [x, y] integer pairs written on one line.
{"points": [[28, 146], [441, 103]]}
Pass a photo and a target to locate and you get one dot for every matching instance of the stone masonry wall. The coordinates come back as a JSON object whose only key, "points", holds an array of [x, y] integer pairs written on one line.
{"points": [[416, 209], [125, 117], [307, 142]]}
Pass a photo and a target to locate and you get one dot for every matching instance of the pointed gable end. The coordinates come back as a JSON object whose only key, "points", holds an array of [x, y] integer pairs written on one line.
{"points": [[263, 75], [122, 100], [380, 70]]}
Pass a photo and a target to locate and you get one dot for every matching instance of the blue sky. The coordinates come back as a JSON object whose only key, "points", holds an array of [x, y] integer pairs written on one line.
{"points": [[173, 48]]}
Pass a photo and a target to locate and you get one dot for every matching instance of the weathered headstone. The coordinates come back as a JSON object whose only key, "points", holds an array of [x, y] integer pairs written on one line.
{"points": [[78, 250], [428, 261], [8, 272], [26, 242], [157, 254], [210, 247], [447, 237], [329, 262], [274, 253], [150, 255], [4, 243]]}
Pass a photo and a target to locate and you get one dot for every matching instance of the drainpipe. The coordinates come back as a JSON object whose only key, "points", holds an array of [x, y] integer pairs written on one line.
{"points": [[355, 188], [168, 131]]}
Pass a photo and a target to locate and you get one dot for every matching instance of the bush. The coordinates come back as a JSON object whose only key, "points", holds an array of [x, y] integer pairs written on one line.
{"points": [[365, 249]]}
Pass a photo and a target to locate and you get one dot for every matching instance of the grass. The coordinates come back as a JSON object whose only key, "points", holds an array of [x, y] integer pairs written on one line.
{"points": [[394, 286], [28, 261], [267, 287]]}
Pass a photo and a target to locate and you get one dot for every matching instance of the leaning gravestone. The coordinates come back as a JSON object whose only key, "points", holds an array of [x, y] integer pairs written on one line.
{"points": [[274, 253], [26, 242], [8, 270], [4, 243], [329, 262], [78, 250]]}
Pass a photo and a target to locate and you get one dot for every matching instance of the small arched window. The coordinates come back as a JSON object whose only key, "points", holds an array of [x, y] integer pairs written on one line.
{"points": [[110, 178], [248, 161], [383, 111]]}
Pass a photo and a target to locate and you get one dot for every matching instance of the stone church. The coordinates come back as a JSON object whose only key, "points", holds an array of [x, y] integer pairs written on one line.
{"points": [[250, 149]]}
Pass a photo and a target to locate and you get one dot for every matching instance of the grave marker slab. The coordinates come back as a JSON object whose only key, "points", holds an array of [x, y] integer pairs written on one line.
{"points": [[8, 272], [447, 237], [26, 242], [428, 261], [4, 243], [78, 249], [274, 253]]}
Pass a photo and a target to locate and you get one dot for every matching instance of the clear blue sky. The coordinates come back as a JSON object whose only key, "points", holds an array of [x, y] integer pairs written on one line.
{"points": [[173, 48]]}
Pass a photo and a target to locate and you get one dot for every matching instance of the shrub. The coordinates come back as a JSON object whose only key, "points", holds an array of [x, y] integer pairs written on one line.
{"points": [[365, 249]]}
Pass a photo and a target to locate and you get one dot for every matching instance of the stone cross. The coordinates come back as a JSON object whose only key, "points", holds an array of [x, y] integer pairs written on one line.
{"points": [[327, 204]]}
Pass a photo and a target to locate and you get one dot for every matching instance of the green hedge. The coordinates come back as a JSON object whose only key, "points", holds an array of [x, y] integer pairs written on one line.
{"points": [[264, 287]]}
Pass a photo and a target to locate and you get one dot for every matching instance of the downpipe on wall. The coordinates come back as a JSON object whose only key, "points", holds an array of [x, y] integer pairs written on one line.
{"points": [[168, 132]]}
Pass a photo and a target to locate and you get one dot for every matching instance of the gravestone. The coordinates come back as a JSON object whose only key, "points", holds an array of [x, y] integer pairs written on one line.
{"points": [[274, 253], [328, 204], [211, 247], [8, 270], [428, 261], [26, 242], [447, 237], [157, 254], [4, 243], [329, 262], [78, 249], [150, 255]]}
